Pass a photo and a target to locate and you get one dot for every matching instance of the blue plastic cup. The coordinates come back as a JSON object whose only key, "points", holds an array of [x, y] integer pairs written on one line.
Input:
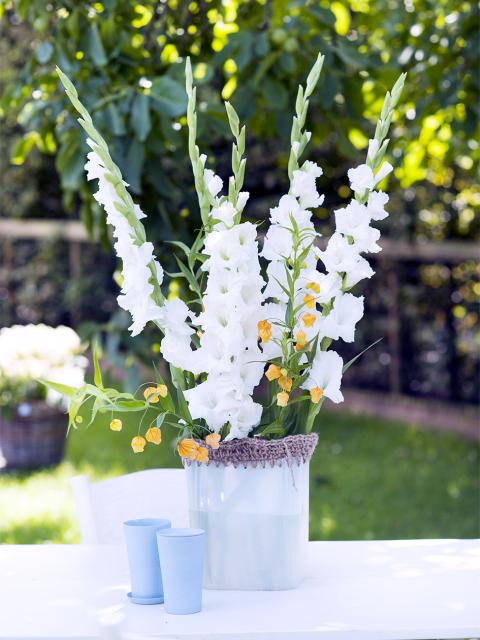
{"points": [[181, 555], [143, 560]]}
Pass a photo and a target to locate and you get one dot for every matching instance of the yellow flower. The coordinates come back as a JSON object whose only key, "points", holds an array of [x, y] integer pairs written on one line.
{"points": [[301, 339], [187, 448], [285, 383], [151, 395], [264, 330], [273, 372], [316, 394], [282, 399], [138, 444], [309, 319], [201, 454], [154, 435], [314, 286], [213, 440], [162, 390], [309, 301], [116, 425]]}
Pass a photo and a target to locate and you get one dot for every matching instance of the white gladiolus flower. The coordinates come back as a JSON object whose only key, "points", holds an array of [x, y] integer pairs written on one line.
{"points": [[329, 284], [288, 208], [304, 185], [376, 205], [326, 374], [211, 400], [173, 316], [242, 200], [339, 256], [360, 270], [362, 177], [245, 418], [354, 221], [244, 323], [137, 286], [229, 352], [277, 278], [341, 321], [214, 183], [277, 245], [225, 214]]}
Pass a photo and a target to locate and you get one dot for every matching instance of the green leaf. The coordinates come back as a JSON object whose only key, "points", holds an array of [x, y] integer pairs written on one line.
{"points": [[97, 377], [24, 146], [43, 52], [94, 46], [273, 429], [140, 117], [70, 161], [115, 120], [133, 165], [130, 405], [275, 94], [63, 389], [168, 97], [350, 362]]}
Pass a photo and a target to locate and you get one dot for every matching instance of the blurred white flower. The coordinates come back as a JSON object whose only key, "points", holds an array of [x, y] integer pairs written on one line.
{"points": [[30, 352]]}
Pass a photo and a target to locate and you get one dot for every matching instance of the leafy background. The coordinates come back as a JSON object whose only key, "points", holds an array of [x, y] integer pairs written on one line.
{"points": [[370, 478], [127, 60]]}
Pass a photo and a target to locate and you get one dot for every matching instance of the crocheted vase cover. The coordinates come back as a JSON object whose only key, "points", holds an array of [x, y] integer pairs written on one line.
{"points": [[255, 452]]}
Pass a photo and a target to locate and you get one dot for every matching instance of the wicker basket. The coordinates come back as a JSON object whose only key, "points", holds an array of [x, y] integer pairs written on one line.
{"points": [[32, 437]]}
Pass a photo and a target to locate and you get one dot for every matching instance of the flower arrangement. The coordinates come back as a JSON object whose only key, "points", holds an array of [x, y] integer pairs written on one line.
{"points": [[30, 352], [250, 315]]}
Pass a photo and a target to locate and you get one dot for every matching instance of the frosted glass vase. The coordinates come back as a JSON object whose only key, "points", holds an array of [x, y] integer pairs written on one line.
{"points": [[256, 516]]}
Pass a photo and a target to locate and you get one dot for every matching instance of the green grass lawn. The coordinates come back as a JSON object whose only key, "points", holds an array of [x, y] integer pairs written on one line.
{"points": [[369, 479]]}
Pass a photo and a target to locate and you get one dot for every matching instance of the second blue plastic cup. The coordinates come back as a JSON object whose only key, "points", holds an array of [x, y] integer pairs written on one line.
{"points": [[181, 555], [143, 560]]}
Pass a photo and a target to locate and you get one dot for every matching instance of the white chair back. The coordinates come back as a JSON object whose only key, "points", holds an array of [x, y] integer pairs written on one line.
{"points": [[102, 507]]}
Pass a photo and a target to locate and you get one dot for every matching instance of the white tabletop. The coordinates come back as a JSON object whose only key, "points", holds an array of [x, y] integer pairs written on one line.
{"points": [[393, 590]]}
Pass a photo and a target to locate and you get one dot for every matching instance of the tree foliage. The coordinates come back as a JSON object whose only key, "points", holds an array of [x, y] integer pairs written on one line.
{"points": [[126, 58]]}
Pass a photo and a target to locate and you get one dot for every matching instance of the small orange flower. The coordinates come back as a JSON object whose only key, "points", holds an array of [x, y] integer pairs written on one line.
{"points": [[282, 399], [154, 435], [301, 339], [151, 395], [213, 440], [316, 394], [201, 454], [264, 330], [309, 301], [187, 448], [138, 444], [309, 319], [116, 425], [273, 372], [285, 383], [314, 286]]}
